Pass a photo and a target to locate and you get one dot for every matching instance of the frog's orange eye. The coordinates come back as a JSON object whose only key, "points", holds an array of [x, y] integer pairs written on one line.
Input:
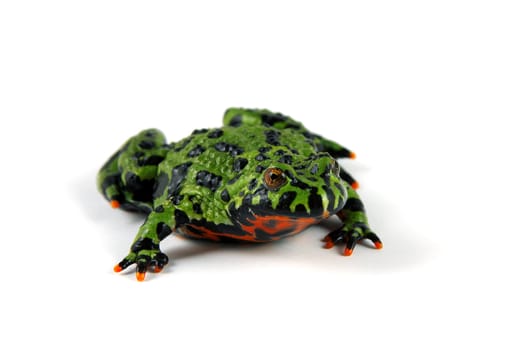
{"points": [[274, 178]]}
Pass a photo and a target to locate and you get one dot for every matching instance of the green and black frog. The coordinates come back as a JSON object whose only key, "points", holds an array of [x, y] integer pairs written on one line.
{"points": [[261, 177]]}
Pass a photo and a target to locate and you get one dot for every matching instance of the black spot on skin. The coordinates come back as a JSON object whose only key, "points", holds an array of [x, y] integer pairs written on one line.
{"points": [[225, 196], [196, 151], [215, 134], [162, 230], [139, 154], [153, 160], [272, 137], [315, 202], [239, 164], [177, 199], [259, 169], [144, 244], [253, 184], [179, 173], [300, 208], [221, 147], [264, 149], [159, 209], [261, 157], [180, 217], [286, 159], [150, 134], [197, 208], [272, 118], [146, 144], [161, 184], [236, 120], [279, 152], [142, 190], [209, 180], [247, 199], [285, 201], [354, 204], [199, 131], [233, 150], [297, 183]]}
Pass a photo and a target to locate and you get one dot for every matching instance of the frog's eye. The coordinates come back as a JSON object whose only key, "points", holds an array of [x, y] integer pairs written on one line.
{"points": [[274, 178]]}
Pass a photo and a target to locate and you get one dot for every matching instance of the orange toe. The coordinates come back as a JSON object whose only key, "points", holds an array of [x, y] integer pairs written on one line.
{"points": [[115, 204], [140, 276], [117, 268]]}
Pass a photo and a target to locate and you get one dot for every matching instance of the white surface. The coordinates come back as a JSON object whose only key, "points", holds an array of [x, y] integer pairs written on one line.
{"points": [[428, 95]]}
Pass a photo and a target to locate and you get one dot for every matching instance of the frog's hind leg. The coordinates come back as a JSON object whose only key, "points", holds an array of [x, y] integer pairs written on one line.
{"points": [[127, 179]]}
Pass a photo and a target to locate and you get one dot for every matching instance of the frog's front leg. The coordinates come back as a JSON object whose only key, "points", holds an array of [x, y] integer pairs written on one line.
{"points": [[355, 226], [145, 250]]}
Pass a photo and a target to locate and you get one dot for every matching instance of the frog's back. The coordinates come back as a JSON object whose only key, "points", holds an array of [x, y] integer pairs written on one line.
{"points": [[228, 150]]}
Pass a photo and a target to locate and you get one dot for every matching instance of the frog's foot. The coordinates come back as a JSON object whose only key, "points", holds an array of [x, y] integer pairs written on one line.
{"points": [[144, 256], [350, 235]]}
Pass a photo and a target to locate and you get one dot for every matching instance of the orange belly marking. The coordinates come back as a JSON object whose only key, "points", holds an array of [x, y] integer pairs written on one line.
{"points": [[277, 224], [257, 229]]}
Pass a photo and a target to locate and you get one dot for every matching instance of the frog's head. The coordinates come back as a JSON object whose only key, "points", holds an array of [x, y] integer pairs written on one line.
{"points": [[289, 194]]}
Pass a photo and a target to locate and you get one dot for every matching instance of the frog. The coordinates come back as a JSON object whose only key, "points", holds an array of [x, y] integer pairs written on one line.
{"points": [[259, 178]]}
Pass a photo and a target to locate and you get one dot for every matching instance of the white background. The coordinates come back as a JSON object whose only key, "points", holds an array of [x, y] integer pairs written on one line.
{"points": [[428, 93]]}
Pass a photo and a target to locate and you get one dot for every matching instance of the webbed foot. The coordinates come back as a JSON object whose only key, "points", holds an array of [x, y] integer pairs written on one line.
{"points": [[350, 235], [145, 254]]}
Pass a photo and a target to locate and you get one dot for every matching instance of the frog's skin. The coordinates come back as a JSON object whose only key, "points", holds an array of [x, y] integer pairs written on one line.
{"points": [[259, 178]]}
